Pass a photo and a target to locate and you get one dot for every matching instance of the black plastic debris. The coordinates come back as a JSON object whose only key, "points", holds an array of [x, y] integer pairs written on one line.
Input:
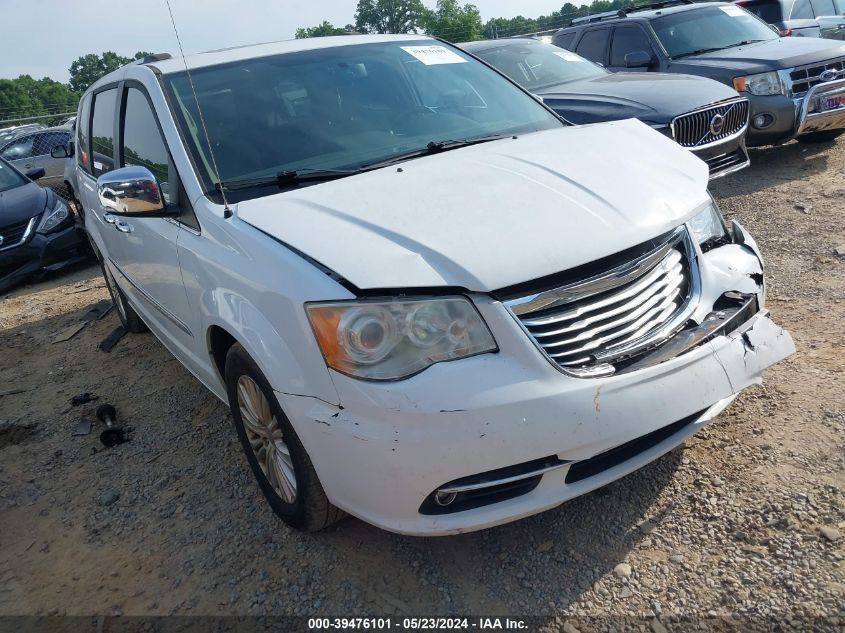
{"points": [[100, 309], [111, 340], [83, 398]]}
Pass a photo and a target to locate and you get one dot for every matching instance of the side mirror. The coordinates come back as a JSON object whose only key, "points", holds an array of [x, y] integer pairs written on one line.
{"points": [[638, 59], [131, 191], [59, 151], [35, 174]]}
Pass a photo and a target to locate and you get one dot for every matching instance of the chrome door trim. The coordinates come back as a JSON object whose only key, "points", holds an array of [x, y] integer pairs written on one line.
{"points": [[155, 304]]}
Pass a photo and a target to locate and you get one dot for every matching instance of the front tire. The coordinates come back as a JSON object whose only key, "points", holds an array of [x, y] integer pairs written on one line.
{"points": [[128, 317], [275, 454], [826, 136]]}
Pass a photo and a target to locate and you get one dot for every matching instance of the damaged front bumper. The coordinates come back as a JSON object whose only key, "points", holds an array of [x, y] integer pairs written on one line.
{"points": [[479, 442]]}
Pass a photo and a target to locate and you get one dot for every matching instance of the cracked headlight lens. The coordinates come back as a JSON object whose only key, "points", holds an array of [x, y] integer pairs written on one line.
{"points": [[394, 339], [708, 227], [54, 218]]}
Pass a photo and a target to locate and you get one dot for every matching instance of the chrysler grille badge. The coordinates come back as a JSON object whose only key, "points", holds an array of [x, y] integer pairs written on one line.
{"points": [[717, 124]]}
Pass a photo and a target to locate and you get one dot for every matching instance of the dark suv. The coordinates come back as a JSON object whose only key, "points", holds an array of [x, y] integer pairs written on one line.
{"points": [[796, 86]]}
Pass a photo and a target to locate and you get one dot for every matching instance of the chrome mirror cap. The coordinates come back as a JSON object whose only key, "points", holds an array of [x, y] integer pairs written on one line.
{"points": [[130, 191]]}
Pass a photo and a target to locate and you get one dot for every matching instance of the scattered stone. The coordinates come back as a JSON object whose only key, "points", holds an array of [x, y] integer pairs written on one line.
{"points": [[622, 570], [830, 533], [545, 546], [657, 627], [108, 497], [626, 592], [568, 628]]}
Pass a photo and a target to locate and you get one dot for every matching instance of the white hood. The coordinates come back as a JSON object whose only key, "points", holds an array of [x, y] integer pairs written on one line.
{"points": [[492, 215]]}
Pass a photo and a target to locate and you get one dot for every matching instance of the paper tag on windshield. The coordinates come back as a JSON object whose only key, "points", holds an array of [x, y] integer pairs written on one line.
{"points": [[570, 57], [733, 10], [434, 55]]}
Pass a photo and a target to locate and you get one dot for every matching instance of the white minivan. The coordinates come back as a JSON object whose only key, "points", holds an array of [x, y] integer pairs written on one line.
{"points": [[429, 301]]}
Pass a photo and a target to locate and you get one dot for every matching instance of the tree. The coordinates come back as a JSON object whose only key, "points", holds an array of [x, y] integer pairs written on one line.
{"points": [[389, 16], [26, 97], [321, 30], [89, 68], [454, 22]]}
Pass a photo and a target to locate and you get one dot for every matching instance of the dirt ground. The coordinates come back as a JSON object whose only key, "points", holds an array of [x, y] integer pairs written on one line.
{"points": [[744, 521]]}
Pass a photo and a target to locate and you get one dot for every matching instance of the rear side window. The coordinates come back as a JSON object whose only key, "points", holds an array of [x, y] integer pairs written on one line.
{"points": [[142, 142], [19, 148], [83, 158], [564, 40], [593, 45], [102, 131], [802, 10], [767, 10], [823, 7], [45, 142], [626, 40]]}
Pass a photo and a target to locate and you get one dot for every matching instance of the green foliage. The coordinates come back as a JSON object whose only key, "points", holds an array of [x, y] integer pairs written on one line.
{"points": [[321, 30], [390, 16], [27, 97], [89, 68], [504, 27], [454, 22]]}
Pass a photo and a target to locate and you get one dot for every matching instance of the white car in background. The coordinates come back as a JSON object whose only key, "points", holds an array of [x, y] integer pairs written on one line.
{"points": [[429, 301]]}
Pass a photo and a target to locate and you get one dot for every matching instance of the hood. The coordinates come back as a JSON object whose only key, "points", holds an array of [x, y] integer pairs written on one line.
{"points": [[784, 52], [21, 203], [652, 97], [492, 215]]}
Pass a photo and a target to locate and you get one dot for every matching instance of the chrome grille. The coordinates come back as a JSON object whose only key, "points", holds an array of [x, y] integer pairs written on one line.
{"points": [[711, 125], [806, 77], [588, 326], [16, 234]]}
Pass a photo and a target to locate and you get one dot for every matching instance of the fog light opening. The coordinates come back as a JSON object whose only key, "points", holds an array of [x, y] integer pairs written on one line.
{"points": [[444, 498], [762, 121]]}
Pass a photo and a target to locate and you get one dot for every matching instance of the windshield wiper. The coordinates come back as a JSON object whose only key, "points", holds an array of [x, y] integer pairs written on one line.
{"points": [[746, 42], [435, 147], [700, 51], [285, 179], [288, 178]]}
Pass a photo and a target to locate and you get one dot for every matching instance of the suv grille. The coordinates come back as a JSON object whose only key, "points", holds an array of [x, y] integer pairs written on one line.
{"points": [[806, 77], [589, 326], [14, 235], [710, 125]]}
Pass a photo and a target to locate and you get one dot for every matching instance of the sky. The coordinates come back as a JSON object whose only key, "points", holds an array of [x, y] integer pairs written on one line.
{"points": [[72, 28]]}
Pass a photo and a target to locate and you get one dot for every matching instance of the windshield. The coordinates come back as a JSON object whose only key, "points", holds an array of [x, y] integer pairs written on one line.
{"points": [[535, 65], [9, 178], [709, 28], [344, 107]]}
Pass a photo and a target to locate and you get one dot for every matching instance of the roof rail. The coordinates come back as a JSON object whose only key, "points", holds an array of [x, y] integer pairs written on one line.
{"points": [[621, 13], [598, 17], [657, 5], [155, 57]]}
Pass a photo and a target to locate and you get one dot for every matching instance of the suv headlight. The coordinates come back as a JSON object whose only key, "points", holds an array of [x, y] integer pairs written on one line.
{"points": [[760, 84], [394, 339], [54, 218], [708, 227]]}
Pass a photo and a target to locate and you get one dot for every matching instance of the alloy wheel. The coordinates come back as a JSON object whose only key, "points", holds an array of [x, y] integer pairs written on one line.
{"points": [[266, 438]]}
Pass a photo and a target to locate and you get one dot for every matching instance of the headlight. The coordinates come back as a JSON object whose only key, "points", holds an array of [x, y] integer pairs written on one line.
{"points": [[708, 227], [54, 218], [760, 84], [389, 340]]}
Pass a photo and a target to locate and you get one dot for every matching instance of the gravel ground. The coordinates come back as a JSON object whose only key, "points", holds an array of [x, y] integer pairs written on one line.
{"points": [[740, 528]]}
